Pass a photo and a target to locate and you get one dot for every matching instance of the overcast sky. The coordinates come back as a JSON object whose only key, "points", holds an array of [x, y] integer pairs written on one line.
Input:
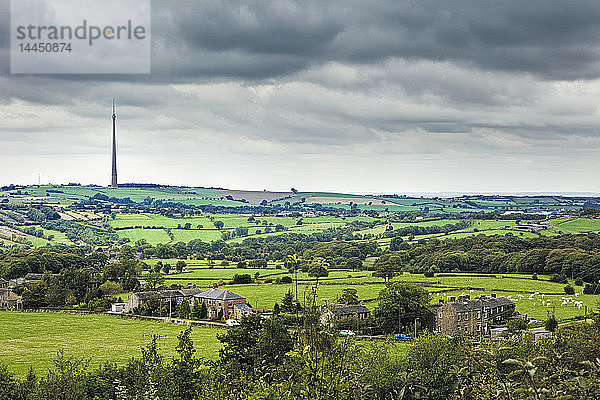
{"points": [[352, 96]]}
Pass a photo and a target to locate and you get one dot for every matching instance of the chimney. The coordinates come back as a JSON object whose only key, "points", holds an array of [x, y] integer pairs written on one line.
{"points": [[493, 295]]}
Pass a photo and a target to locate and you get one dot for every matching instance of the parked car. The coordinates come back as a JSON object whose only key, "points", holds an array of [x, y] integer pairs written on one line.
{"points": [[346, 332], [402, 336], [232, 322]]}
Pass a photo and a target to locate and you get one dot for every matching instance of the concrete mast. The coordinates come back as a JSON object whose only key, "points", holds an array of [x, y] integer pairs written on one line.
{"points": [[113, 182]]}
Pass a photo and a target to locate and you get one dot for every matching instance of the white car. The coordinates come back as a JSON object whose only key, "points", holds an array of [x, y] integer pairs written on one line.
{"points": [[346, 332], [232, 322]]}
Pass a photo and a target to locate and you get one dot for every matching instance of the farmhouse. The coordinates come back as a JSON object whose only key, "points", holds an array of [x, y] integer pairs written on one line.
{"points": [[223, 301], [166, 296], [338, 312], [9, 299], [471, 316]]}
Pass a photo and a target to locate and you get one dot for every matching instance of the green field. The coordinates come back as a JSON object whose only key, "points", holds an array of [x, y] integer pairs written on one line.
{"points": [[368, 287], [33, 339]]}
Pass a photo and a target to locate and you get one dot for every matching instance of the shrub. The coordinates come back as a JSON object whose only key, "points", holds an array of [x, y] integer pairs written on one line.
{"points": [[286, 279], [516, 325], [578, 281], [241, 279], [569, 289], [558, 278], [551, 324], [534, 277], [591, 289]]}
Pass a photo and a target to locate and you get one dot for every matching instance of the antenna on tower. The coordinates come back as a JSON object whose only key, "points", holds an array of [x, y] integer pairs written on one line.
{"points": [[113, 180]]}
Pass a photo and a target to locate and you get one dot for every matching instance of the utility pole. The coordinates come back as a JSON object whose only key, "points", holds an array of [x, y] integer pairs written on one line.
{"points": [[416, 319]]}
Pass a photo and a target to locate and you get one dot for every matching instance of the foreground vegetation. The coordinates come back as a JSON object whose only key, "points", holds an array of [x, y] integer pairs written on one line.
{"points": [[261, 360], [31, 340]]}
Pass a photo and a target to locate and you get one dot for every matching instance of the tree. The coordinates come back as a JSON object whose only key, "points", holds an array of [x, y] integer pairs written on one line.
{"points": [[348, 296], [569, 289], [551, 323], [155, 279], [516, 325], [255, 345], [167, 268], [385, 269], [186, 368], [196, 312], [218, 224], [184, 309], [318, 268], [180, 265], [399, 304], [397, 243], [288, 305], [241, 231], [242, 279], [110, 288], [354, 263]]}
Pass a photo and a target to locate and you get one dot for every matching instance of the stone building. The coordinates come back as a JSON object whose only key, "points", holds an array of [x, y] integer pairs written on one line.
{"points": [[338, 312], [217, 300], [471, 316]]}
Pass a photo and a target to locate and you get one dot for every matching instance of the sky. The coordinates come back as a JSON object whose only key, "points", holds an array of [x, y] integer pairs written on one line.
{"points": [[344, 96]]}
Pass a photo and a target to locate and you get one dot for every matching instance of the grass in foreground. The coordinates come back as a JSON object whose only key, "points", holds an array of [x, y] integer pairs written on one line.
{"points": [[33, 339]]}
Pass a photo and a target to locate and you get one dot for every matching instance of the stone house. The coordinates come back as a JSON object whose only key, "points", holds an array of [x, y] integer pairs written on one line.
{"points": [[166, 296], [217, 300], [471, 316], [10, 300], [337, 312]]}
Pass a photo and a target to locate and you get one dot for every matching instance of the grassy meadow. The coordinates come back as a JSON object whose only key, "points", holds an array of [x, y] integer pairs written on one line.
{"points": [[32, 340]]}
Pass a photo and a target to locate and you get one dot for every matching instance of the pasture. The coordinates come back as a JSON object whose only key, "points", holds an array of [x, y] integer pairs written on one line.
{"points": [[265, 292], [32, 340]]}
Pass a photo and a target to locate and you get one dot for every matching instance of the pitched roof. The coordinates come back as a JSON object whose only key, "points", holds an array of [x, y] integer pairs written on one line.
{"points": [[243, 307], [348, 309], [486, 303], [2, 280], [218, 294], [162, 294], [188, 292]]}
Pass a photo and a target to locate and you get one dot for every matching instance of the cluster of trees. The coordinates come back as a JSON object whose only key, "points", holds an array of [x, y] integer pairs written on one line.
{"points": [[42, 214], [257, 251], [87, 233], [427, 230], [70, 278], [568, 256], [261, 360]]}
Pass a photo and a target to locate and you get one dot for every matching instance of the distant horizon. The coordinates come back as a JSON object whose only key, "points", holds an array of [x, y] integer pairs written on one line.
{"points": [[404, 193]]}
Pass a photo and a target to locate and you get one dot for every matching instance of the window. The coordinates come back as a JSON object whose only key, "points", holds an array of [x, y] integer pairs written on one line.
{"points": [[466, 316], [458, 328], [466, 329], [478, 327], [459, 316], [478, 314], [440, 315]]}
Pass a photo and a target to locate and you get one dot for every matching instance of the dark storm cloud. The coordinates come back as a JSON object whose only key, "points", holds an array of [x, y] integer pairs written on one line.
{"points": [[207, 39], [553, 39]]}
